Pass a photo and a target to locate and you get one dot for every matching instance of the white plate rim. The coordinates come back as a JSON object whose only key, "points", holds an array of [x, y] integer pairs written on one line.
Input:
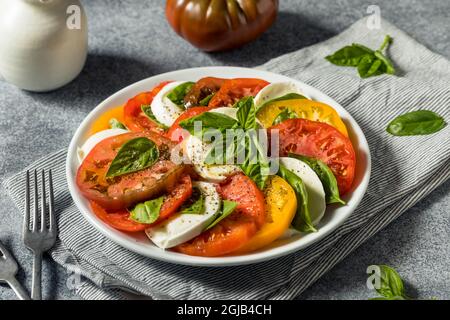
{"points": [[177, 258]]}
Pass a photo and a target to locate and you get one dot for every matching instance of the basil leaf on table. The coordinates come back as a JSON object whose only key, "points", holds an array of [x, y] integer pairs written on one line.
{"points": [[134, 155], [195, 205], [147, 212], [205, 101], [209, 120], [284, 115], [116, 124], [246, 113], [147, 110], [349, 56], [413, 123], [302, 220], [179, 92], [227, 209], [368, 62], [325, 175], [391, 284]]}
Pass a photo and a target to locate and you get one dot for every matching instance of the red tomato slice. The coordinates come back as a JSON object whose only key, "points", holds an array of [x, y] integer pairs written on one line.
{"points": [[123, 191], [121, 219], [201, 89], [233, 90], [321, 141], [176, 133], [235, 230], [134, 118], [176, 197]]}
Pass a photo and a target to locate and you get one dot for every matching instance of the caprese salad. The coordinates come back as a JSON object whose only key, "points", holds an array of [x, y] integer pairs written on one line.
{"points": [[164, 164]]}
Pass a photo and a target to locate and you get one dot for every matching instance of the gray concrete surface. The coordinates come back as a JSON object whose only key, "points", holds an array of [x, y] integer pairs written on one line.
{"points": [[130, 40]]}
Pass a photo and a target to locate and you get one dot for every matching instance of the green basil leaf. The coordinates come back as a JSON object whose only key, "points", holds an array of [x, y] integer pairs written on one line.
{"points": [[391, 285], [116, 124], [370, 66], [196, 203], [227, 209], [349, 56], [413, 123], [178, 93], [390, 298], [325, 175], [288, 96], [284, 115], [246, 113], [205, 101], [147, 212], [388, 66], [134, 155], [147, 110], [209, 120], [302, 220]]}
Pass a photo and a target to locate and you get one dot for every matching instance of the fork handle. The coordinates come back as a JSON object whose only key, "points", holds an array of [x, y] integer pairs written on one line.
{"points": [[18, 289], [36, 291]]}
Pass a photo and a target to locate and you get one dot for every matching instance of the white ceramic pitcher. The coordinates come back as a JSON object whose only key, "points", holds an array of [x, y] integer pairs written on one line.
{"points": [[43, 43]]}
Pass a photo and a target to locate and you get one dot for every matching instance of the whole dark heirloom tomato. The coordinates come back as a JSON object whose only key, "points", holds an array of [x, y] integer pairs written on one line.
{"points": [[214, 25]]}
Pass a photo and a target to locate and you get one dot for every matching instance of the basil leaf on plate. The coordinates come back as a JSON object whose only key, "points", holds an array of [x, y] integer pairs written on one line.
{"points": [[147, 212], [349, 56], [246, 113], [116, 124], [227, 209], [147, 110], [413, 123], [288, 96], [178, 93], [209, 120], [195, 204], [302, 220], [134, 155], [284, 115], [391, 284], [205, 101], [325, 175]]}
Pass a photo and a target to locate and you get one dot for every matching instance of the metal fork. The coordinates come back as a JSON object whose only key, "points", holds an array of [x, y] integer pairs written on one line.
{"points": [[8, 271], [39, 239]]}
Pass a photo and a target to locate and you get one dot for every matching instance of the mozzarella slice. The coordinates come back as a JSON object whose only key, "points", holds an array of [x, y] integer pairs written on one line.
{"points": [[183, 227], [276, 90], [314, 187], [93, 140], [164, 110], [196, 152]]}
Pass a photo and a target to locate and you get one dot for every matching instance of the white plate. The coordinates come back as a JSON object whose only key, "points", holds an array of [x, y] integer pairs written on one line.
{"points": [[334, 216]]}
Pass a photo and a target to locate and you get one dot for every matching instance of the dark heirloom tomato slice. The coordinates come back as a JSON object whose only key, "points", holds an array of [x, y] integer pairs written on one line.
{"points": [[123, 191], [202, 89], [134, 118], [321, 141], [235, 230], [176, 133], [233, 90], [172, 202]]}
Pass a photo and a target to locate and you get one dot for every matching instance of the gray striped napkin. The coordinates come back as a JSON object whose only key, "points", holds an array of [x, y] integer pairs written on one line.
{"points": [[405, 169]]}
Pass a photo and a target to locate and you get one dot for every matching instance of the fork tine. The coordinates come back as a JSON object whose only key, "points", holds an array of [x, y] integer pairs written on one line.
{"points": [[43, 199], [35, 211], [50, 202], [4, 251], [26, 218]]}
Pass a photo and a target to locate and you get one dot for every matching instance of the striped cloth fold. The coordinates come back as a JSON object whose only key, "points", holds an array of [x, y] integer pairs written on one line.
{"points": [[405, 169]]}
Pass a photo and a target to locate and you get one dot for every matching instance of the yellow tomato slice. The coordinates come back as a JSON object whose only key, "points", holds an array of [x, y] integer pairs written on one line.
{"points": [[102, 122], [303, 108], [281, 205]]}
